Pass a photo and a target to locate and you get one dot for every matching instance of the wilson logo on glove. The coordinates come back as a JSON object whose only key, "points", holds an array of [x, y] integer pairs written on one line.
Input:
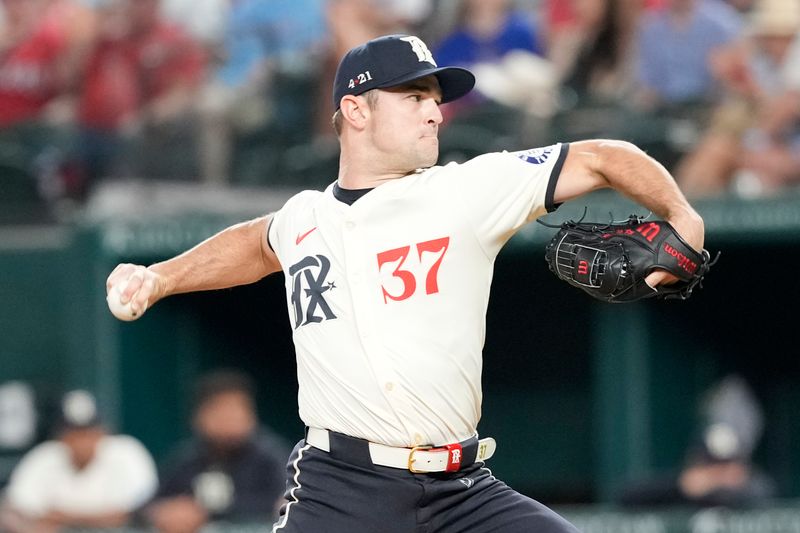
{"points": [[684, 262], [611, 261], [649, 231]]}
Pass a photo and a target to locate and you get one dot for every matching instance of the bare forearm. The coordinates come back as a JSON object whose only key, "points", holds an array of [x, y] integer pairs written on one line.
{"points": [[234, 256], [628, 170]]}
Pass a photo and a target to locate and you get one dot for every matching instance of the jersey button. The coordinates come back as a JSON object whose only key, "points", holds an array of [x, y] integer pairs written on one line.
{"points": [[349, 224], [389, 386]]}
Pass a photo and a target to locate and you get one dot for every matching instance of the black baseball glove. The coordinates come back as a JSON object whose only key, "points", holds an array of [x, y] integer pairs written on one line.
{"points": [[611, 261]]}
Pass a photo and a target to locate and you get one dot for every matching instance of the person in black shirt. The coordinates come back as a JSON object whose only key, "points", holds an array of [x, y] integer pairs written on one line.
{"points": [[232, 470], [718, 470]]}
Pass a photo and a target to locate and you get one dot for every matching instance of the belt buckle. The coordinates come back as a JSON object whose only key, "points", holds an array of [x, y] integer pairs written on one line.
{"points": [[455, 454], [411, 459]]}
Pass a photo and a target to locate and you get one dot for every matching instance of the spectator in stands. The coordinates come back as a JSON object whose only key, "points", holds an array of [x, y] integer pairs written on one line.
{"points": [[204, 20], [674, 89], [86, 477], [231, 470], [352, 22], [593, 52], [138, 94], [718, 470], [485, 35], [486, 31], [754, 136], [43, 46], [742, 6], [591, 48], [560, 22], [265, 44], [674, 49]]}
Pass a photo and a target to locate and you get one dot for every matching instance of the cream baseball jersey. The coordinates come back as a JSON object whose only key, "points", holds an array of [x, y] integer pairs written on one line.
{"points": [[387, 297]]}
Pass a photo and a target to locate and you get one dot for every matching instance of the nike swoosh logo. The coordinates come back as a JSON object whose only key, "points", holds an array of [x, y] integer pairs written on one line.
{"points": [[301, 236]]}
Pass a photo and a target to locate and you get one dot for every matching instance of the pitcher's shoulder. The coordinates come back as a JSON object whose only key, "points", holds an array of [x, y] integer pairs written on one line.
{"points": [[305, 198]]}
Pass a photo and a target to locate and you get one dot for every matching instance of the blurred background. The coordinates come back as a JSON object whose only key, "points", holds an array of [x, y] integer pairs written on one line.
{"points": [[132, 129]]}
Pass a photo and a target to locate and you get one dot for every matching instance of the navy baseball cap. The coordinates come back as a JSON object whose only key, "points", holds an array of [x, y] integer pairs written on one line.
{"points": [[393, 60]]}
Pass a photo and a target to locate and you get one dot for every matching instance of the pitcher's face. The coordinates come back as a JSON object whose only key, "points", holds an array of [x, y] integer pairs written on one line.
{"points": [[404, 124]]}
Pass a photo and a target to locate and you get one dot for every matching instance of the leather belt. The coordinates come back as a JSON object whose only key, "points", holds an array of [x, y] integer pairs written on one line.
{"points": [[419, 459]]}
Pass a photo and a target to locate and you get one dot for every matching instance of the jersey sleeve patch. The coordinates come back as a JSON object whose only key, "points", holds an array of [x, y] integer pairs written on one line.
{"points": [[536, 156]]}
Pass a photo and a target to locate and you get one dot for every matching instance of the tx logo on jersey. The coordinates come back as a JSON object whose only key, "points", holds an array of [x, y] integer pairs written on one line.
{"points": [[309, 283]]}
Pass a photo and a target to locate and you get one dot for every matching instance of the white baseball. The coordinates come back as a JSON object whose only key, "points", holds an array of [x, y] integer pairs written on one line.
{"points": [[117, 308]]}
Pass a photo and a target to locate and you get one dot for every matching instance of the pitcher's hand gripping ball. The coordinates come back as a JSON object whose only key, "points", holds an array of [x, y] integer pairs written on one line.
{"points": [[611, 261], [123, 311]]}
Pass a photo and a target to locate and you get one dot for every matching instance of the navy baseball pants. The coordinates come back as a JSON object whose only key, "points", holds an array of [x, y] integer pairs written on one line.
{"points": [[341, 491]]}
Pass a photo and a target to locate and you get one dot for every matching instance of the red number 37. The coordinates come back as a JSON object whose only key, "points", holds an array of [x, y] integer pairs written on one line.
{"points": [[408, 279]]}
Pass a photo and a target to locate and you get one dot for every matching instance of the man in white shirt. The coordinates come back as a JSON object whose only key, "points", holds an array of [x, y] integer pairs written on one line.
{"points": [[387, 275], [84, 478]]}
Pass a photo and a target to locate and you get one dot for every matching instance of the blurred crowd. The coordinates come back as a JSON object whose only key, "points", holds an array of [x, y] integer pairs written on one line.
{"points": [[237, 92], [83, 476], [80, 475]]}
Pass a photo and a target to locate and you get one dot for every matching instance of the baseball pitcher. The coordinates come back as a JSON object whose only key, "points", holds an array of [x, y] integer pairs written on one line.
{"points": [[388, 272]]}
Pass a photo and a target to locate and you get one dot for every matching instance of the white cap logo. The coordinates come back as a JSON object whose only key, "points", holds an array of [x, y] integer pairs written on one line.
{"points": [[419, 48]]}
